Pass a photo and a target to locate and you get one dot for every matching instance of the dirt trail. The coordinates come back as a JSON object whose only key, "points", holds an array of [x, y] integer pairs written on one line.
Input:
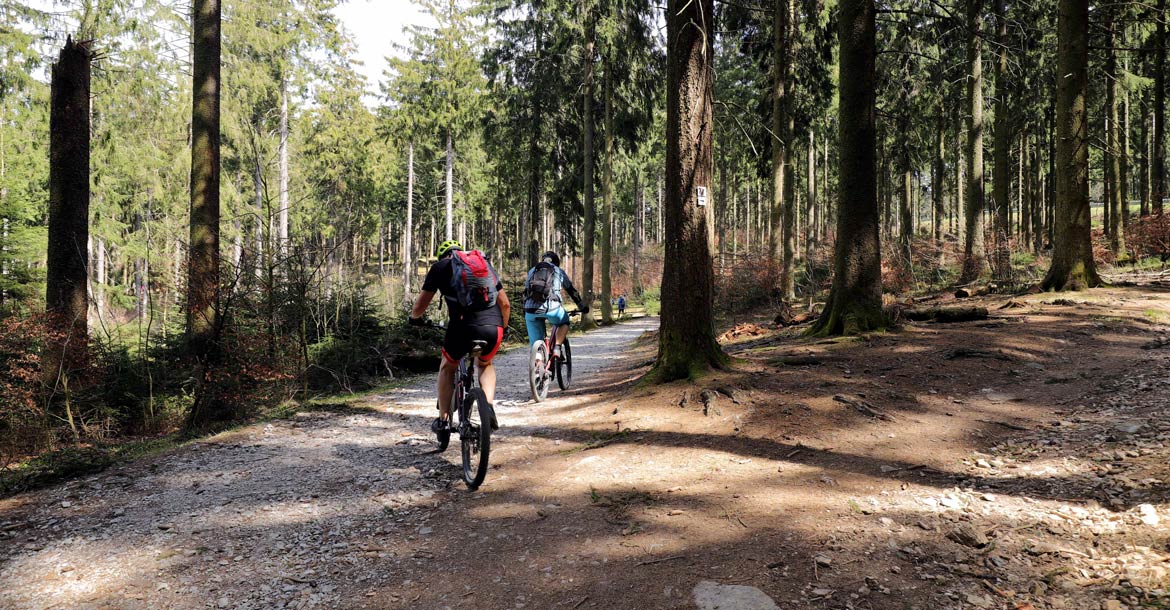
{"points": [[286, 514], [1016, 463]]}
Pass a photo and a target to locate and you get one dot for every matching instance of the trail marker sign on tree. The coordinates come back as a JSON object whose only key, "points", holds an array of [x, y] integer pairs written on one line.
{"points": [[701, 195]]}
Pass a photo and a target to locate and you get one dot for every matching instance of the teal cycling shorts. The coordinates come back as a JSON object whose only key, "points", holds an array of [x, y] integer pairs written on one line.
{"points": [[535, 322]]}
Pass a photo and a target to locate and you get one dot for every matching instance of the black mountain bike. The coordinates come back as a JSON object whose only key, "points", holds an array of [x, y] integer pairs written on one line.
{"points": [[472, 417], [544, 364]]}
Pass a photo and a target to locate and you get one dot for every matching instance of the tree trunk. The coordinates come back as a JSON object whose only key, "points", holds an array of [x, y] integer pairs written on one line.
{"points": [[960, 176], [1114, 190], [1037, 176], [905, 215], [1027, 203], [788, 271], [639, 235], [1144, 161], [282, 213], [1002, 178], [261, 218], [938, 173], [203, 257], [813, 211], [1072, 267], [408, 228], [1123, 178], [779, 143], [686, 344], [450, 194], [66, 300], [855, 301], [607, 205], [973, 239], [1158, 169], [590, 228]]}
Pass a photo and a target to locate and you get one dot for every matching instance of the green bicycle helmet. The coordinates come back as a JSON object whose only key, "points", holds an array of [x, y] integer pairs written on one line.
{"points": [[446, 247]]}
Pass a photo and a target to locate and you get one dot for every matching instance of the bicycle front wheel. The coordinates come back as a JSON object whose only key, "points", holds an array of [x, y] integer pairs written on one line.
{"points": [[476, 435], [565, 366], [538, 371]]}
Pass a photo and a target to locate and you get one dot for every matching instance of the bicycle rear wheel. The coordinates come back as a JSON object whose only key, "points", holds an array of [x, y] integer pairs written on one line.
{"points": [[565, 366], [538, 371], [475, 433]]}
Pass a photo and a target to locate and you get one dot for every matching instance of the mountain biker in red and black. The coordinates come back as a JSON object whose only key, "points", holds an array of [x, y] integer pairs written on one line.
{"points": [[463, 327]]}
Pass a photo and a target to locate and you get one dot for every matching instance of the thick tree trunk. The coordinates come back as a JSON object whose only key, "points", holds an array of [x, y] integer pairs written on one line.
{"points": [[855, 301], [686, 344], [607, 205], [1002, 178], [66, 300], [203, 258], [203, 261], [973, 214], [1072, 267], [408, 228]]}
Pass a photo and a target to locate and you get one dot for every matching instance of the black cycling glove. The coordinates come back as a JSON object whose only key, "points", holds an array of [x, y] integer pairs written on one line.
{"points": [[417, 321]]}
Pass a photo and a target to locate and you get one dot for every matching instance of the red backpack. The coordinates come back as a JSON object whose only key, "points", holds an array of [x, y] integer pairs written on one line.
{"points": [[473, 280]]}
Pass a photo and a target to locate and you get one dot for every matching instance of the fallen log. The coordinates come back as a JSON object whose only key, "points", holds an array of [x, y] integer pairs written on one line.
{"points": [[946, 314]]}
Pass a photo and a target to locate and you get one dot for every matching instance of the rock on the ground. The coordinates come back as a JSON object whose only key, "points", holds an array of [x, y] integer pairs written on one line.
{"points": [[711, 595]]}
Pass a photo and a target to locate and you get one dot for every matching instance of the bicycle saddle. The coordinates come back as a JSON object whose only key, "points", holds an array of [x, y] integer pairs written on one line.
{"points": [[478, 346]]}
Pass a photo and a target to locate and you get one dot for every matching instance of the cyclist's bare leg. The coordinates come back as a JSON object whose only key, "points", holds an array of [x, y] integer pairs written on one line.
{"points": [[447, 372], [562, 332], [487, 380]]}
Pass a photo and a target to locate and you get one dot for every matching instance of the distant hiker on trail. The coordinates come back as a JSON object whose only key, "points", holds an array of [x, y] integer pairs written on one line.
{"points": [[621, 305], [543, 299], [477, 308]]}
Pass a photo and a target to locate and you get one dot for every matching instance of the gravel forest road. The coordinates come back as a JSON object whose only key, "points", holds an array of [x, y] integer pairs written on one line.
{"points": [[297, 513]]}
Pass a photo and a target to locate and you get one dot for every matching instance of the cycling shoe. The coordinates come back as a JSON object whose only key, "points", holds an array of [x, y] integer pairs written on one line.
{"points": [[495, 422]]}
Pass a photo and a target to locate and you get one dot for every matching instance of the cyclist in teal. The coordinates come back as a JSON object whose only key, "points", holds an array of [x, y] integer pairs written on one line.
{"points": [[543, 299]]}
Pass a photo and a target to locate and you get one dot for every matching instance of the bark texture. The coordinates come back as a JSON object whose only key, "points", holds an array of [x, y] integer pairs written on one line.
{"points": [[1002, 179], [855, 301], [973, 212], [686, 340], [203, 261], [607, 206], [590, 204], [1072, 254], [66, 299], [1158, 163], [203, 323]]}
